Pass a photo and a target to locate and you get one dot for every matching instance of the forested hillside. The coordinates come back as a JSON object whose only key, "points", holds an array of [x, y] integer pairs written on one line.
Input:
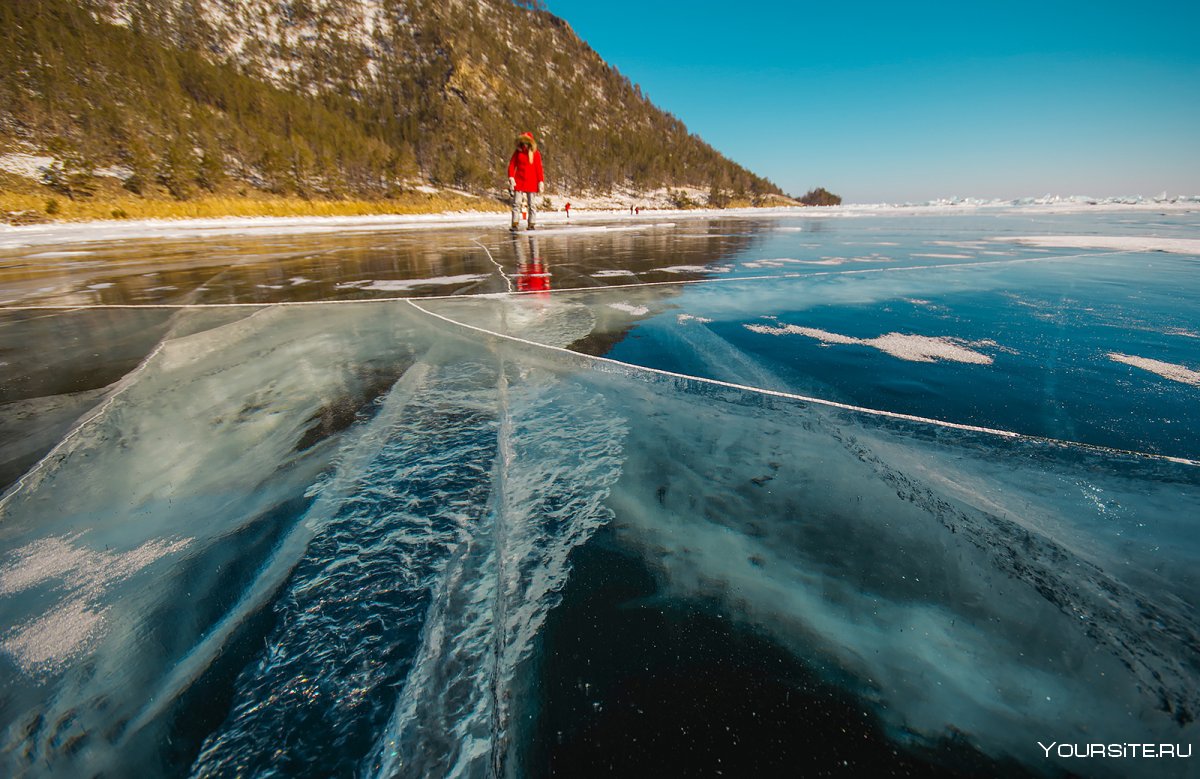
{"points": [[328, 98]]}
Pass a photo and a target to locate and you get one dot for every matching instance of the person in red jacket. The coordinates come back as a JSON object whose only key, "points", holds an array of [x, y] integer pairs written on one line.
{"points": [[525, 177]]}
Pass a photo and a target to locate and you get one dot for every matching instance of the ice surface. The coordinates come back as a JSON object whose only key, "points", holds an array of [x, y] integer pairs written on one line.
{"points": [[944, 574], [189, 459], [328, 538]]}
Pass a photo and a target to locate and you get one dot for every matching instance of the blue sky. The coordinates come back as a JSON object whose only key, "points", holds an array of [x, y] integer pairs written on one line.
{"points": [[906, 102]]}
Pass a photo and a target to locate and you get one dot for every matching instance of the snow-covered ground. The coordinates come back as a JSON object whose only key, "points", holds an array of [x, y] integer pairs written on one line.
{"points": [[34, 166], [115, 230]]}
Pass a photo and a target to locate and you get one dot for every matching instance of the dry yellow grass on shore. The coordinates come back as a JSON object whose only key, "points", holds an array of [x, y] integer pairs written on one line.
{"points": [[32, 208]]}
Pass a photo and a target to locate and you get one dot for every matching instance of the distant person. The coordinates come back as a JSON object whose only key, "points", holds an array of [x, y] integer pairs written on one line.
{"points": [[631, 210], [567, 208], [638, 210], [525, 177]]}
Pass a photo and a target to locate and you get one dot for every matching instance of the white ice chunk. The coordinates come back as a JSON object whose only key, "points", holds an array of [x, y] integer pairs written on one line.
{"points": [[914, 348], [603, 274], [400, 285], [630, 309], [1167, 370], [1127, 243], [48, 641]]}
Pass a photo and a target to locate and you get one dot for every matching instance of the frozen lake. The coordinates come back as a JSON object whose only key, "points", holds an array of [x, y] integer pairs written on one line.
{"points": [[788, 493]]}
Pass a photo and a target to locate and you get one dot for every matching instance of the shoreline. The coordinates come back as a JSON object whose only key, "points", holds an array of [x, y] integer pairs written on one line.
{"points": [[16, 237]]}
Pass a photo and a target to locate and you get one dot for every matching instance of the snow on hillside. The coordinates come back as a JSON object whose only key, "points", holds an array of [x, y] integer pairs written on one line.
{"points": [[278, 39]]}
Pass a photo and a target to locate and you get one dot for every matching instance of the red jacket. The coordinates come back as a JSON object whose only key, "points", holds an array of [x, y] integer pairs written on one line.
{"points": [[527, 174]]}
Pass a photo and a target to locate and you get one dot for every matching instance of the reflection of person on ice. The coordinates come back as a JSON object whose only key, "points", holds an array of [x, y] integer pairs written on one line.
{"points": [[525, 177], [532, 273]]}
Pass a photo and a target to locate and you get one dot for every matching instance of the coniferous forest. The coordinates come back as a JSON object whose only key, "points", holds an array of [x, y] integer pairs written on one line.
{"points": [[322, 99]]}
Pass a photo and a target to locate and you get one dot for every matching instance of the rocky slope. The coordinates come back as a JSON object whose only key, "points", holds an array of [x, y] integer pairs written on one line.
{"points": [[332, 97]]}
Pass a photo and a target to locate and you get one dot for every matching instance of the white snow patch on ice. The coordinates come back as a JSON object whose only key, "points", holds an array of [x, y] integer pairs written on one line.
{"points": [[604, 274], [579, 229], [50, 641], [1167, 370], [119, 230], [959, 244], [947, 256], [681, 318], [696, 269], [630, 308], [684, 269], [914, 348], [775, 262], [844, 260], [1131, 243], [397, 285]]}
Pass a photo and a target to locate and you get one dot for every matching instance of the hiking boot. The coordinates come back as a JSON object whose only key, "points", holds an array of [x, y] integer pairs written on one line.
{"points": [[531, 227], [513, 227]]}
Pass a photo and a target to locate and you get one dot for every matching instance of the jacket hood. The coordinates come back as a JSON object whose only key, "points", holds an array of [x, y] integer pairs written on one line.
{"points": [[527, 138]]}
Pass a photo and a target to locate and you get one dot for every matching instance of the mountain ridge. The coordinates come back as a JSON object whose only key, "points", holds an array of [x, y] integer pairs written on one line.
{"points": [[317, 98]]}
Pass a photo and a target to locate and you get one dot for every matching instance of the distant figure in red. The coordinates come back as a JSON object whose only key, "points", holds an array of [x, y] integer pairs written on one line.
{"points": [[567, 208], [638, 210], [525, 177]]}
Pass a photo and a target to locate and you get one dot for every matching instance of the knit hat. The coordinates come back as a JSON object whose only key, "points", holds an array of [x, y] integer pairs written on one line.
{"points": [[527, 138]]}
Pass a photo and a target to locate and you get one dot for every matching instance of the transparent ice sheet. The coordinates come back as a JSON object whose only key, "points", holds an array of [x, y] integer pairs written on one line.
{"points": [[323, 540]]}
